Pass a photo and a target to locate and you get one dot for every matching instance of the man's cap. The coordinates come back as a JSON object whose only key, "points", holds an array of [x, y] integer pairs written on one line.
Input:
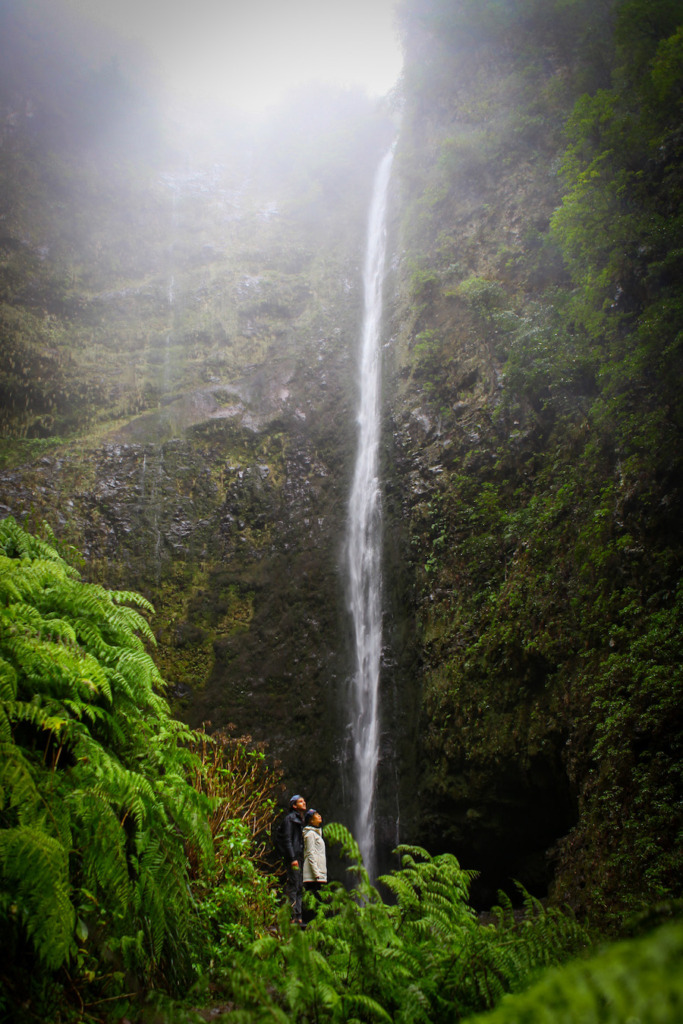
{"points": [[293, 799]]}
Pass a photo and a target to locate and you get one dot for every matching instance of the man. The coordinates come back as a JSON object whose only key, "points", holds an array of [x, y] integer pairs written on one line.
{"points": [[294, 846]]}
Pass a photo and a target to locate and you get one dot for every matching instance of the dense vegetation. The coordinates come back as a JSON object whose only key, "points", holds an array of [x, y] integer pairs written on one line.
{"points": [[113, 897], [125, 838]]}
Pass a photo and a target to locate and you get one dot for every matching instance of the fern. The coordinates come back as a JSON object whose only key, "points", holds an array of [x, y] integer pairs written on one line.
{"points": [[638, 980], [17, 543], [95, 804], [34, 872], [336, 833], [8, 680], [103, 860], [423, 959], [365, 1007]]}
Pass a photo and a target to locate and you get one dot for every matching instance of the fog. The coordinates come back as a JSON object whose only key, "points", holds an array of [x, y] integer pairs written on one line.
{"points": [[249, 55]]}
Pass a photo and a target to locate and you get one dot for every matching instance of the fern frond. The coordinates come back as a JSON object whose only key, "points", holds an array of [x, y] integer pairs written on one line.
{"points": [[5, 732], [131, 597], [504, 911], [57, 629], [366, 1007], [35, 866], [8, 680], [17, 785], [266, 947], [43, 714], [638, 979], [404, 893], [138, 667], [126, 623], [337, 833], [408, 854], [16, 543], [103, 858], [25, 621], [10, 591], [416, 1007]]}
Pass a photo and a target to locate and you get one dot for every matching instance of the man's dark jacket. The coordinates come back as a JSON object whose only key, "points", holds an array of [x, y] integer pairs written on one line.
{"points": [[294, 837]]}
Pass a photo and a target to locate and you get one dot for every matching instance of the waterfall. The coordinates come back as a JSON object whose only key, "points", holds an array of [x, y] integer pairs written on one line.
{"points": [[364, 532]]}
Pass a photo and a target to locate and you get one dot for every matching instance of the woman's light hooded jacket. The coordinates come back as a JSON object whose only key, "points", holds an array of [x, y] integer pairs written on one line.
{"points": [[315, 859]]}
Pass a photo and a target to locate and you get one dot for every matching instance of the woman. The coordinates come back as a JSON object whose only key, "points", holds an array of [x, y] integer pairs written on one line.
{"points": [[315, 859]]}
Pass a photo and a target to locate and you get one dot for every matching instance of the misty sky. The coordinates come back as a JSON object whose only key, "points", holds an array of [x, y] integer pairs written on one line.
{"points": [[250, 52]]}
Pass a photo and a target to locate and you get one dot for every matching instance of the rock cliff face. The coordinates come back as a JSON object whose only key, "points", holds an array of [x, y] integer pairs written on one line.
{"points": [[210, 322], [535, 462], [492, 785]]}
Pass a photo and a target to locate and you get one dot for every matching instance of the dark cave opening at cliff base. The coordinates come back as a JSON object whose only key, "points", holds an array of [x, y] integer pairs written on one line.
{"points": [[510, 835]]}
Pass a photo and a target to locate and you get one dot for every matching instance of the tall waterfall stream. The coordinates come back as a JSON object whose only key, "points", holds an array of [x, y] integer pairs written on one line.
{"points": [[365, 534]]}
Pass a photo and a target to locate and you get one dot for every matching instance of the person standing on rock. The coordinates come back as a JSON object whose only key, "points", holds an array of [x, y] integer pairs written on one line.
{"points": [[294, 847]]}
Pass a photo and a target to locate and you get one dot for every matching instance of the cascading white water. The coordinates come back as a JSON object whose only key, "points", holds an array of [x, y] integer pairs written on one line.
{"points": [[364, 532]]}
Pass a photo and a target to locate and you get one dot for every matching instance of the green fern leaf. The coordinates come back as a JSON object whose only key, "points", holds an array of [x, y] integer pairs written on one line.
{"points": [[35, 866]]}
